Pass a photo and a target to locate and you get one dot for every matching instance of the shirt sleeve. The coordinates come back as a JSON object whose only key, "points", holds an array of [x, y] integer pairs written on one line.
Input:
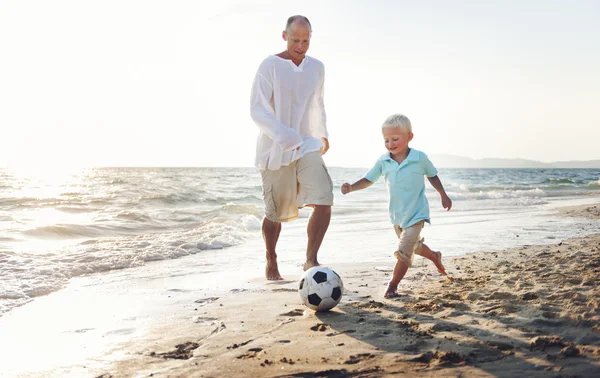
{"points": [[263, 115], [428, 166], [375, 173], [321, 117]]}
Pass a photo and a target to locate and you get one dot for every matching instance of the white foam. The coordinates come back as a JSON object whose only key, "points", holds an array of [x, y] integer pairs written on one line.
{"points": [[498, 194], [25, 275]]}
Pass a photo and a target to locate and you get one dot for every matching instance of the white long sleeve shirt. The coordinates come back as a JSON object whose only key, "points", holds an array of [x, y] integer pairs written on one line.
{"points": [[287, 105]]}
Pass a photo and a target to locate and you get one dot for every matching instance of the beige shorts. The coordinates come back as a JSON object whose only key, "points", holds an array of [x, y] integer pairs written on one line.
{"points": [[304, 182], [409, 242]]}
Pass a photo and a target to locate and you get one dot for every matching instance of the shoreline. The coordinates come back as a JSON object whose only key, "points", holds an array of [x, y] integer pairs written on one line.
{"points": [[527, 311]]}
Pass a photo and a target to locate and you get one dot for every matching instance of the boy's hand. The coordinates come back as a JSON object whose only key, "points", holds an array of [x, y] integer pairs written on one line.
{"points": [[446, 202], [346, 188]]}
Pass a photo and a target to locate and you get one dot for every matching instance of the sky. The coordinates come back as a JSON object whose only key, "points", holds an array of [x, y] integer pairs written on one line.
{"points": [[167, 83]]}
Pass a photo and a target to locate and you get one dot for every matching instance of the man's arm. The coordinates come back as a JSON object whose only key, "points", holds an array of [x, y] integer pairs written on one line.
{"points": [[437, 185], [322, 118], [263, 115], [325, 147]]}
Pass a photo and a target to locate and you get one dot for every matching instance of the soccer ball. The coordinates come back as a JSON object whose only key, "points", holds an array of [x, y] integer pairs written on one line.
{"points": [[320, 288]]}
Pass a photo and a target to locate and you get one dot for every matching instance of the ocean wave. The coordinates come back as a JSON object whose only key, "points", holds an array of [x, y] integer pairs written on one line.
{"points": [[74, 231], [134, 216], [71, 194], [75, 209], [232, 209], [559, 181], [18, 201], [239, 198], [62, 231], [498, 194], [594, 185], [27, 275], [171, 198]]}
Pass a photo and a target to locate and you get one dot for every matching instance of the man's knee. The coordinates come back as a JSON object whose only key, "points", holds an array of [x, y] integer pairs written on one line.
{"points": [[267, 223], [322, 209]]}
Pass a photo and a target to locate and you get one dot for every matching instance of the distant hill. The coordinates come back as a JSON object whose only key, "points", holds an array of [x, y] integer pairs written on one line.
{"points": [[453, 161]]}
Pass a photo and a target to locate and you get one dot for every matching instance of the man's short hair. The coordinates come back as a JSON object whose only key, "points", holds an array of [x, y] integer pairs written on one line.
{"points": [[398, 120], [295, 18]]}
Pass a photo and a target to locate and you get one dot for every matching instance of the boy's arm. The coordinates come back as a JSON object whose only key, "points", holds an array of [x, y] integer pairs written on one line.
{"points": [[360, 184], [437, 184]]}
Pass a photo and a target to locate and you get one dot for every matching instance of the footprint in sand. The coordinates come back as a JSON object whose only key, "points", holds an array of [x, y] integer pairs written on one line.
{"points": [[321, 327], [358, 358], [181, 352], [205, 301], [295, 312], [369, 305], [441, 358], [250, 354], [204, 320], [340, 333], [552, 344], [235, 346], [448, 327], [284, 290]]}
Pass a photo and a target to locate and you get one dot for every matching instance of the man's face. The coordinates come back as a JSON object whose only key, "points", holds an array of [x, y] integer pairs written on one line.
{"points": [[298, 40]]}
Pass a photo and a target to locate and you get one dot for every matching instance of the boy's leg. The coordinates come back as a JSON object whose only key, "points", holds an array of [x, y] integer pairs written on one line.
{"points": [[400, 270], [435, 257], [315, 189], [271, 231], [407, 240]]}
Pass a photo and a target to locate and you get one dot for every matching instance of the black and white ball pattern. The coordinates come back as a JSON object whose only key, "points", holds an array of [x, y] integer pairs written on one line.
{"points": [[321, 288]]}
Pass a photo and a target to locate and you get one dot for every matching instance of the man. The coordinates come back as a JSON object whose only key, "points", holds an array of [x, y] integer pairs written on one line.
{"points": [[287, 106]]}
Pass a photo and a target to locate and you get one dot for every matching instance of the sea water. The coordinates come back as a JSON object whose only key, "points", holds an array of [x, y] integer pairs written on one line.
{"points": [[93, 222]]}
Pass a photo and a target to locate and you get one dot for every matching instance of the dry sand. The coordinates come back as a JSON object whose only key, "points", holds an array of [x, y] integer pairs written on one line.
{"points": [[532, 311]]}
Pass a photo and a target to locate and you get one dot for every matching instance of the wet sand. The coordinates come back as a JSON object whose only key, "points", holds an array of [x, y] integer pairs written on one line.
{"points": [[530, 311]]}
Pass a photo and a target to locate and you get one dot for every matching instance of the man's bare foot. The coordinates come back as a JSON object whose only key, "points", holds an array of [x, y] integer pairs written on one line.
{"points": [[391, 292], [438, 263], [310, 264], [272, 271]]}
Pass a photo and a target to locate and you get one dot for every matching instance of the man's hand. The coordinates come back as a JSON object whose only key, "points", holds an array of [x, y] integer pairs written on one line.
{"points": [[325, 147]]}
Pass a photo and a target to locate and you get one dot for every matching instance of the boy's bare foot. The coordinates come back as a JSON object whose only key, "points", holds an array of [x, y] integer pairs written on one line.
{"points": [[272, 270], [391, 292], [438, 263], [310, 264]]}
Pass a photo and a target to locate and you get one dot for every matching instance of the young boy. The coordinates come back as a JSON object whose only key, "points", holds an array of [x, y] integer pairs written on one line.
{"points": [[404, 169]]}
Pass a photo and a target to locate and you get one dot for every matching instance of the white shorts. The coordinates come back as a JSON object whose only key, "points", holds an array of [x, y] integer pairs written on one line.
{"points": [[305, 182], [409, 242]]}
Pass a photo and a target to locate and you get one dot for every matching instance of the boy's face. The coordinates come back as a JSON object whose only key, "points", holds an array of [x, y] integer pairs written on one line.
{"points": [[396, 140]]}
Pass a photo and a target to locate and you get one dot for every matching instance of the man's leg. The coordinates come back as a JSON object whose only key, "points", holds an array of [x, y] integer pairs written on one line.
{"points": [[271, 231], [316, 229], [315, 190], [280, 196]]}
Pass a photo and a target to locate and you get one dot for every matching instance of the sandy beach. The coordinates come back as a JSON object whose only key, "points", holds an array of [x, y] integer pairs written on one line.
{"points": [[530, 311]]}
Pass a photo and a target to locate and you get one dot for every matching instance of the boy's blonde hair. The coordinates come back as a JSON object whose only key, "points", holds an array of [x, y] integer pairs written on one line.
{"points": [[398, 120]]}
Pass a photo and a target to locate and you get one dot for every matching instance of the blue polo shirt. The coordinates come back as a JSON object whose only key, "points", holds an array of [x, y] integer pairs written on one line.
{"points": [[406, 185]]}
